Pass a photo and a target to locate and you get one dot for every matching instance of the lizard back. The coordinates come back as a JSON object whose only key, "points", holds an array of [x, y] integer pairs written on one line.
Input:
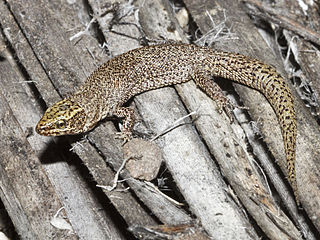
{"points": [[146, 68]]}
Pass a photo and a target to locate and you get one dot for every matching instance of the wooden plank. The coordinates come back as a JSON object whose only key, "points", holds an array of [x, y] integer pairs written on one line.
{"points": [[252, 44], [112, 152], [26, 191], [182, 148], [66, 64], [77, 199], [307, 86], [222, 141], [124, 202], [128, 207]]}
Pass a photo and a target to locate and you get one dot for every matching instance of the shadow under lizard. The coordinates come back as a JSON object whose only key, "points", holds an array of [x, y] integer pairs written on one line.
{"points": [[151, 67]]}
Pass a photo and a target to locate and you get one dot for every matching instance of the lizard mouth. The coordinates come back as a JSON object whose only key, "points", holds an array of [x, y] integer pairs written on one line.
{"points": [[41, 129], [46, 129]]}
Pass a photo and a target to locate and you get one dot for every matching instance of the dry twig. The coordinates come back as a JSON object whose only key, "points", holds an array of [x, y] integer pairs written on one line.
{"points": [[258, 9]]}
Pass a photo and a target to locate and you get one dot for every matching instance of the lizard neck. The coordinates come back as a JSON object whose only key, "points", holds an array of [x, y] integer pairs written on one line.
{"points": [[95, 107]]}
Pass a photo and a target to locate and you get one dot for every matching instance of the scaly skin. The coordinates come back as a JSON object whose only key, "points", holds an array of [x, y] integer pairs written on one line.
{"points": [[143, 69]]}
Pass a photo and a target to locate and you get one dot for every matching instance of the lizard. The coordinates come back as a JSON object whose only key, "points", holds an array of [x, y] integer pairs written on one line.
{"points": [[124, 76]]}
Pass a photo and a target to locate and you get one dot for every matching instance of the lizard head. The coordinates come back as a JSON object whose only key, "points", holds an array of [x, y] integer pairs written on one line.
{"points": [[63, 118]]}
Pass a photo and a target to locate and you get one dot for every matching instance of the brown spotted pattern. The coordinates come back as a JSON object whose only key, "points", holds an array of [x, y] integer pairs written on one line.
{"points": [[143, 69]]}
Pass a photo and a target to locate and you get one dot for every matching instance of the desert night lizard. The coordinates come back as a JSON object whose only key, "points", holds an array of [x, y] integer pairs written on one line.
{"points": [[139, 70]]}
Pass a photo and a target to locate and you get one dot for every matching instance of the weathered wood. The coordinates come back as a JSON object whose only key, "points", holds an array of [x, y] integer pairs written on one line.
{"points": [[130, 210], [57, 65], [222, 143], [308, 58], [182, 148], [284, 19], [251, 43], [26, 191], [76, 197], [128, 207]]}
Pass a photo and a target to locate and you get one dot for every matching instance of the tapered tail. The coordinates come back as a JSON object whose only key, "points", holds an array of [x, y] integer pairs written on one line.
{"points": [[256, 74]]}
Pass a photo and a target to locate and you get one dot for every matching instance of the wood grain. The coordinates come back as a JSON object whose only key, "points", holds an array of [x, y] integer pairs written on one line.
{"points": [[209, 159]]}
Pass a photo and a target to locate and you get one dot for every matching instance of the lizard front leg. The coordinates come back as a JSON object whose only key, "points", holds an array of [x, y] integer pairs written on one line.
{"points": [[128, 121]]}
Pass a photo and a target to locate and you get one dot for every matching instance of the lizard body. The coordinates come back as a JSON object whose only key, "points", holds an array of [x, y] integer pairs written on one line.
{"points": [[147, 68]]}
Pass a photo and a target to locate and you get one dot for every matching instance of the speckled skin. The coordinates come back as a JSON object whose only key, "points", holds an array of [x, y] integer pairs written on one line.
{"points": [[143, 69]]}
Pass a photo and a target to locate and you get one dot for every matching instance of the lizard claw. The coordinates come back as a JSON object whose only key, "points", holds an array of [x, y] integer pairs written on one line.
{"points": [[228, 108], [124, 136]]}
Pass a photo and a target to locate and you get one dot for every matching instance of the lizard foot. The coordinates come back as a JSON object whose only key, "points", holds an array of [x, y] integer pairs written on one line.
{"points": [[125, 136], [228, 107]]}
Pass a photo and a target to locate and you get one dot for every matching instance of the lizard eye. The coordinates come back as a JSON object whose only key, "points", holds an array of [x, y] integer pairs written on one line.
{"points": [[61, 123]]}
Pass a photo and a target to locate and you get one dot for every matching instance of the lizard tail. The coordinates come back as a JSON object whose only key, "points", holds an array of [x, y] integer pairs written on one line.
{"points": [[266, 79]]}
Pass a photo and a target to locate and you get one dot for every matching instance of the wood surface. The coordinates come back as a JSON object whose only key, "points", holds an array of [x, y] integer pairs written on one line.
{"points": [[215, 167]]}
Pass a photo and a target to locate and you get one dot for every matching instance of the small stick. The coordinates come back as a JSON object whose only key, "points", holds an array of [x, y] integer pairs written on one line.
{"points": [[116, 177], [173, 125], [288, 23], [86, 31], [162, 194]]}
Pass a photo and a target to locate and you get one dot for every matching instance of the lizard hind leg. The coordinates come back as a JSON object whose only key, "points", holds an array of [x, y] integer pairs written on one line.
{"points": [[213, 90]]}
